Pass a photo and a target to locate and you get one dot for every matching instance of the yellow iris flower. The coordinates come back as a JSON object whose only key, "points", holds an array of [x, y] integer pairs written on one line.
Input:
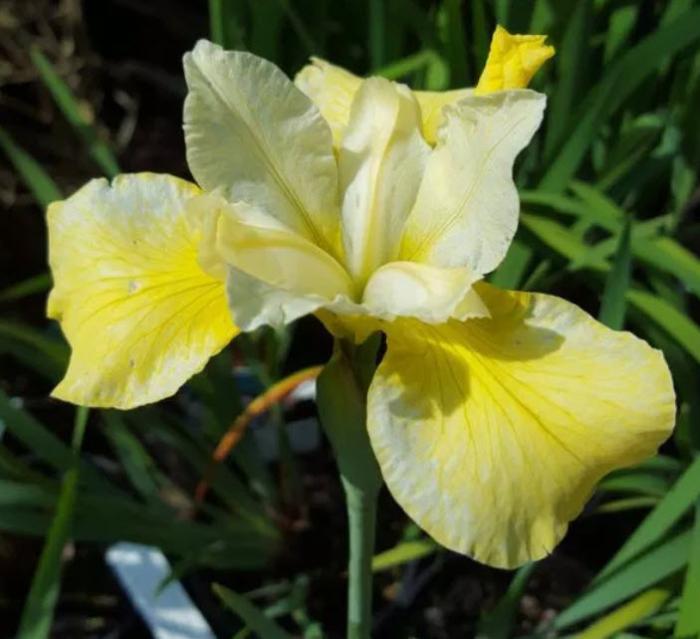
{"points": [[493, 413]]}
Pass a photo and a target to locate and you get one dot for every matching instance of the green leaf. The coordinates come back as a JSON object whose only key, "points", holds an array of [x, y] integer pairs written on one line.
{"points": [[69, 106], [676, 323], [42, 186], [671, 508], [689, 615], [376, 30], [560, 239], [37, 615], [451, 25], [631, 613], [511, 272], [620, 25], [637, 576], [620, 80], [224, 24], [499, 622], [614, 302], [25, 288], [403, 553], [572, 63], [255, 619]]}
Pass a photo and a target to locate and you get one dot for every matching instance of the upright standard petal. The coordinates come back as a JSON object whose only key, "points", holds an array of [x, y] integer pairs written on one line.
{"points": [[381, 163], [466, 211], [512, 61], [253, 134], [275, 275], [333, 89], [492, 433], [140, 313]]}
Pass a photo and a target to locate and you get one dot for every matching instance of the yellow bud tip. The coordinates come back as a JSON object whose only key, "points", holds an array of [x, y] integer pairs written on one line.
{"points": [[512, 61]]}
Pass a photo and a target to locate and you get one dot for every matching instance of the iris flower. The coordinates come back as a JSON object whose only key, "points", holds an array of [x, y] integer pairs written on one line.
{"points": [[493, 413]]}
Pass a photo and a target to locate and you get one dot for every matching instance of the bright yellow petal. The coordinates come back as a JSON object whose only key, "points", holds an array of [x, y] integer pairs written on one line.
{"points": [[428, 293], [139, 312], [512, 61], [381, 162], [333, 89], [492, 433], [466, 211], [275, 275], [252, 133]]}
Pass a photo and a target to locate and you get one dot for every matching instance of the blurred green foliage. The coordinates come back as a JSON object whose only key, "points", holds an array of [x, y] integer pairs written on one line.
{"points": [[610, 219]]}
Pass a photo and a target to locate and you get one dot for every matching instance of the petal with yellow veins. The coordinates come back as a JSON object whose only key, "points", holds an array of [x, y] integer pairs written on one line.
{"points": [[333, 89], [254, 135], [139, 311], [512, 61], [466, 210], [492, 433]]}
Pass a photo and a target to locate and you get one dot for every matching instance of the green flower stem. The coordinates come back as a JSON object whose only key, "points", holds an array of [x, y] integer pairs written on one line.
{"points": [[342, 399], [362, 517]]}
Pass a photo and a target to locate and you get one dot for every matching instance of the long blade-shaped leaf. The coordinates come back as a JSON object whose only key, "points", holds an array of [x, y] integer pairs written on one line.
{"points": [[255, 619], [689, 614], [614, 302], [671, 508], [43, 188], [642, 573], [99, 150], [37, 615], [619, 82]]}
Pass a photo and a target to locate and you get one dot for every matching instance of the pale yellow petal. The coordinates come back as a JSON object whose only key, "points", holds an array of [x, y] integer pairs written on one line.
{"points": [[275, 274], [381, 162], [466, 211], [428, 293], [492, 433], [140, 313], [251, 133], [333, 89], [432, 105], [512, 61]]}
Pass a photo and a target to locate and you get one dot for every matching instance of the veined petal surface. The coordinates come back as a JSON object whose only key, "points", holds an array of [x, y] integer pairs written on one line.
{"points": [[333, 89], [492, 433], [381, 162], [254, 135], [275, 275], [140, 313], [466, 210]]}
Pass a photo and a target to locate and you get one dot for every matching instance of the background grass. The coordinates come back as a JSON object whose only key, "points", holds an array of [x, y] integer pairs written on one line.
{"points": [[610, 221]]}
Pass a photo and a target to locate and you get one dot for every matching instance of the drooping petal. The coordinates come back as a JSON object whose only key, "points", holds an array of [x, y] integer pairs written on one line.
{"points": [[140, 313], [275, 274], [333, 89], [492, 433], [381, 162], [466, 210], [428, 293], [252, 133], [512, 61]]}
